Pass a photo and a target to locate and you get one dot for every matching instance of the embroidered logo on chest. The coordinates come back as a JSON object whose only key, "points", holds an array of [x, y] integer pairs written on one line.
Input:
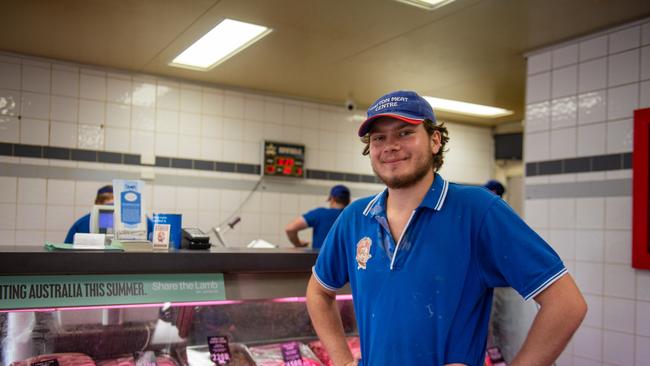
{"points": [[363, 252]]}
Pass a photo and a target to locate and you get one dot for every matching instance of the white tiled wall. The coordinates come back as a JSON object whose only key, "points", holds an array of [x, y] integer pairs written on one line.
{"points": [[580, 97], [469, 156], [580, 100], [78, 106]]}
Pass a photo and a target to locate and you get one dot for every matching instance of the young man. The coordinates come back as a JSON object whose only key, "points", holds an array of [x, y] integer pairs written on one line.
{"points": [[320, 219], [423, 257]]}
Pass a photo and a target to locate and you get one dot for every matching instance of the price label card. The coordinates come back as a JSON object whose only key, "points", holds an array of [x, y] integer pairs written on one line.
{"points": [[495, 357], [219, 350], [161, 236], [291, 354]]}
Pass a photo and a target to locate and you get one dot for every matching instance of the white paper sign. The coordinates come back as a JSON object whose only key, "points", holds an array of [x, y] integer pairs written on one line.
{"points": [[130, 222]]}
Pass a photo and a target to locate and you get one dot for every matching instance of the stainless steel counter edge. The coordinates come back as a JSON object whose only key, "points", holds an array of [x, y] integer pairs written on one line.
{"points": [[36, 260]]}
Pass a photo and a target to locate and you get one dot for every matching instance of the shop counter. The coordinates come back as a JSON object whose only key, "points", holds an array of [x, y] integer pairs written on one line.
{"points": [[248, 273]]}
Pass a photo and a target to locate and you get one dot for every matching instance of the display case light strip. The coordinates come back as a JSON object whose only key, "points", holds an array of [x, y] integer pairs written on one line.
{"points": [[195, 303], [303, 299], [426, 4], [125, 306]]}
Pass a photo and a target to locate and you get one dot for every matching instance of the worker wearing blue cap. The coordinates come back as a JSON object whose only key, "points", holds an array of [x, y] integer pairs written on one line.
{"points": [[495, 187], [320, 219], [104, 197], [423, 257]]}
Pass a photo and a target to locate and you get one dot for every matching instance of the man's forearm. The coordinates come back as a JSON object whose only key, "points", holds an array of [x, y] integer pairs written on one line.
{"points": [[325, 317], [555, 323], [292, 229], [548, 337], [293, 238]]}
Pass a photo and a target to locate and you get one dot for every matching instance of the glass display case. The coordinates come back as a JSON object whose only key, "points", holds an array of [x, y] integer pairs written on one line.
{"points": [[94, 308]]}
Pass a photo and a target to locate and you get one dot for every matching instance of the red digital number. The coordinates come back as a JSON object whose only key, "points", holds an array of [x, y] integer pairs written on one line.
{"points": [[285, 165]]}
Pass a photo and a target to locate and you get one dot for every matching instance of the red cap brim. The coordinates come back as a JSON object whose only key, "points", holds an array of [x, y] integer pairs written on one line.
{"points": [[365, 126]]}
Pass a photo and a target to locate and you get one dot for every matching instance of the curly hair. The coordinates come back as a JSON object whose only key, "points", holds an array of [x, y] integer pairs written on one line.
{"points": [[430, 127]]}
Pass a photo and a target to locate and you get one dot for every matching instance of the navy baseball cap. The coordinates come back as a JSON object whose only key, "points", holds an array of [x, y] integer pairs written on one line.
{"points": [[495, 187], [341, 192], [105, 189], [404, 105]]}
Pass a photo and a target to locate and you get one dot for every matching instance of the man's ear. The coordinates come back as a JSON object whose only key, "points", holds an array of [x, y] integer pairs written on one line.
{"points": [[436, 143]]}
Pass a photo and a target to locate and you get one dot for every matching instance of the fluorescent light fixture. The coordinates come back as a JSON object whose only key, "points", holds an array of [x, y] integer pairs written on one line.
{"points": [[427, 4], [466, 108], [219, 44]]}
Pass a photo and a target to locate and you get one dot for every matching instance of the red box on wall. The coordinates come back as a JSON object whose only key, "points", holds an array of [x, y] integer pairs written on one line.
{"points": [[640, 190]]}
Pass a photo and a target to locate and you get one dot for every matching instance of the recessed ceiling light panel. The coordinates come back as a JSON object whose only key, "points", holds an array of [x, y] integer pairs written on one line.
{"points": [[222, 42], [471, 109], [427, 4]]}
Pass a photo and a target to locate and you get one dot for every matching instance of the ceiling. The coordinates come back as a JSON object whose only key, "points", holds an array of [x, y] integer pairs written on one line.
{"points": [[323, 51]]}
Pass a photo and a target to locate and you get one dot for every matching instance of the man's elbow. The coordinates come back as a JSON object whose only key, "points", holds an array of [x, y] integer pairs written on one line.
{"points": [[580, 309], [316, 292], [290, 229], [574, 310], [566, 299]]}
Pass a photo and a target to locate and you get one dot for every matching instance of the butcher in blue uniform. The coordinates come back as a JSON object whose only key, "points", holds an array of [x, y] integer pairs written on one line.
{"points": [[319, 219], [422, 258], [82, 225]]}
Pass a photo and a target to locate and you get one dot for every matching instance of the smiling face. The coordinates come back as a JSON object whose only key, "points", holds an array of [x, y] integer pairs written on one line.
{"points": [[401, 154]]}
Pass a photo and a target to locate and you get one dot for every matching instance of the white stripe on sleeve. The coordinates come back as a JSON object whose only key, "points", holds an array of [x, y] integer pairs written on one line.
{"points": [[546, 284], [322, 283]]}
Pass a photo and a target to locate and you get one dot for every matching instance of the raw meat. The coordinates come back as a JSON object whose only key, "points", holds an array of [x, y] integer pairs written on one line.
{"points": [[64, 359], [318, 348], [271, 355]]}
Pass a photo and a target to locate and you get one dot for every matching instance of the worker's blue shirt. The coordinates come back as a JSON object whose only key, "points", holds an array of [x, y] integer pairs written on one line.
{"points": [[321, 220], [426, 299], [83, 226]]}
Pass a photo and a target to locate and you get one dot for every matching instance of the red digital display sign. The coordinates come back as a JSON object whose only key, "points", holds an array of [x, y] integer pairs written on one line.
{"points": [[283, 160]]}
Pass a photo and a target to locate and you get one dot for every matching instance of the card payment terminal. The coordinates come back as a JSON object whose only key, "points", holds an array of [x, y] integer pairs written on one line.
{"points": [[194, 238]]}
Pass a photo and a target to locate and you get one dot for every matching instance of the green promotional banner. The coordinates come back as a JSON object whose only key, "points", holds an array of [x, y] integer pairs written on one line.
{"points": [[30, 292]]}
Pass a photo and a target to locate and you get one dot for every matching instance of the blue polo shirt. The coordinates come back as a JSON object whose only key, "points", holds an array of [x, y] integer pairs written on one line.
{"points": [[321, 220], [426, 299]]}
